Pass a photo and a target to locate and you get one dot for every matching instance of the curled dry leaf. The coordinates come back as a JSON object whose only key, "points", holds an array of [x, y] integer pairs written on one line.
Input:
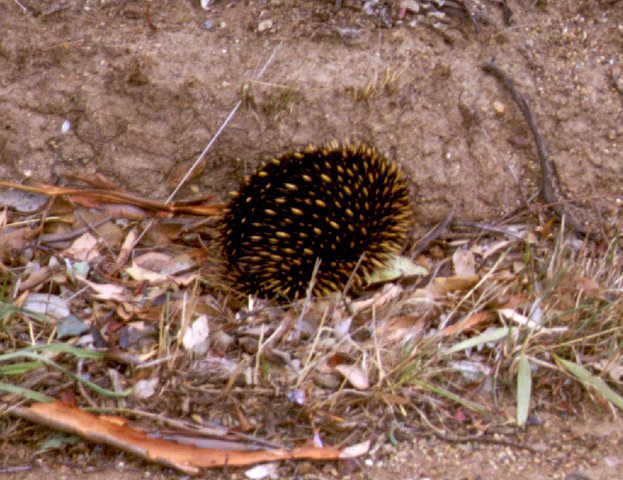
{"points": [[143, 275], [401, 329], [106, 291], [398, 267], [127, 247], [464, 263], [355, 375], [387, 294], [470, 322], [36, 276], [15, 240], [356, 450], [196, 333]]}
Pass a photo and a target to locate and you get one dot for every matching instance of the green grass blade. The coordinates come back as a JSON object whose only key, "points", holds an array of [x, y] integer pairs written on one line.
{"points": [[587, 378], [486, 337], [65, 348], [40, 358], [524, 389], [24, 392], [451, 396], [20, 368]]}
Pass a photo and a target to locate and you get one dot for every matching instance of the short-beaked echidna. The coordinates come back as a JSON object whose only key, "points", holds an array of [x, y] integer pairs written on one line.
{"points": [[338, 203]]}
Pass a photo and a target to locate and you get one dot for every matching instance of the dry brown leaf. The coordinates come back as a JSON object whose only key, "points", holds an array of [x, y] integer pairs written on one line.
{"points": [[84, 249], [107, 291], [494, 248], [36, 276], [185, 458], [464, 263], [143, 275], [16, 240], [389, 292], [444, 285], [154, 261], [126, 248], [468, 323], [404, 328]]}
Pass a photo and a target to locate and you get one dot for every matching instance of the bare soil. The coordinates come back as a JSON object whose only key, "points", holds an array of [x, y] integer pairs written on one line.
{"points": [[146, 85]]}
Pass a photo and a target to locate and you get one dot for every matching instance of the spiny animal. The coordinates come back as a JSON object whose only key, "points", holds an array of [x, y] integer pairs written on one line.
{"points": [[341, 203]]}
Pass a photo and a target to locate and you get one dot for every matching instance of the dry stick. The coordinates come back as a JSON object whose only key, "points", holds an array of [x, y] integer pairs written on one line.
{"points": [[547, 171], [209, 145], [473, 438], [433, 235], [616, 84], [48, 238], [24, 9], [508, 13], [470, 15], [219, 131]]}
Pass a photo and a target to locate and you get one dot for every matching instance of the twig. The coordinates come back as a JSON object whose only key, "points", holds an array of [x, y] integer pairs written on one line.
{"points": [[48, 238], [218, 132], [508, 13], [547, 170], [435, 233], [616, 84], [209, 145], [472, 438], [491, 228], [21, 6]]}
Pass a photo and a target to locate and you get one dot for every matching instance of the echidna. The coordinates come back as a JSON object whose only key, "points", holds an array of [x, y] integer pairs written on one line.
{"points": [[337, 203]]}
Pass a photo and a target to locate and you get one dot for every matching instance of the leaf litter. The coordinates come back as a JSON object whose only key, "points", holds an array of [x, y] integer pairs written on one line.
{"points": [[495, 306]]}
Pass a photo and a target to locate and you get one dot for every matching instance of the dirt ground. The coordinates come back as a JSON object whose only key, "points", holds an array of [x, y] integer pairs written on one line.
{"points": [[135, 90], [577, 448]]}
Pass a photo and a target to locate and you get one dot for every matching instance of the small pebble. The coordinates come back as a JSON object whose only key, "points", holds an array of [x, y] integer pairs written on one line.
{"points": [[207, 25], [264, 25]]}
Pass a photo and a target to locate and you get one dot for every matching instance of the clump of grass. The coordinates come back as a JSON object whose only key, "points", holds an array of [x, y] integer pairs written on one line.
{"points": [[386, 84], [269, 98]]}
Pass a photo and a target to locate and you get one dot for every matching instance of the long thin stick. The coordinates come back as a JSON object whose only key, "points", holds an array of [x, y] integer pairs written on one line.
{"points": [[209, 145], [218, 132]]}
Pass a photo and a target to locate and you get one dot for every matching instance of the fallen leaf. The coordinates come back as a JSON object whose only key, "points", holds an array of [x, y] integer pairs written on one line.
{"points": [[50, 305], [469, 322], [85, 248], [444, 285], [106, 291], [185, 458], [464, 263], [397, 267], [355, 375], [196, 333]]}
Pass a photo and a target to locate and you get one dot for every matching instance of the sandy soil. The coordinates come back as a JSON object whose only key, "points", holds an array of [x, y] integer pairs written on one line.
{"points": [[143, 102], [144, 91]]}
